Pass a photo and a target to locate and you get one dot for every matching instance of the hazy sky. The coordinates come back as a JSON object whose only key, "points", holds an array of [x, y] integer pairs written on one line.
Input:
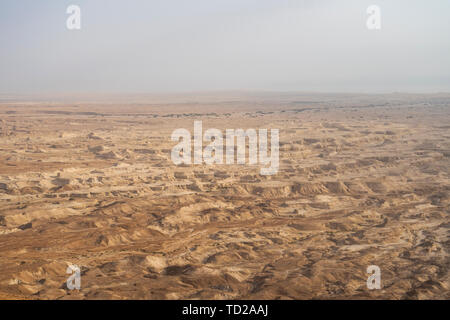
{"points": [[198, 45]]}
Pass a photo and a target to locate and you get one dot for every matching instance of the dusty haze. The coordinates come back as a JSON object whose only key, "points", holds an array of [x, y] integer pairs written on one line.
{"points": [[203, 45]]}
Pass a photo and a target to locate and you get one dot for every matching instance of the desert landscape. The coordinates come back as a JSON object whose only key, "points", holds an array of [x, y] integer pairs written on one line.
{"points": [[363, 180]]}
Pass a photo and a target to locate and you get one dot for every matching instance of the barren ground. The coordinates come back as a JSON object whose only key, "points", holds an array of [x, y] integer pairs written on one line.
{"points": [[363, 180]]}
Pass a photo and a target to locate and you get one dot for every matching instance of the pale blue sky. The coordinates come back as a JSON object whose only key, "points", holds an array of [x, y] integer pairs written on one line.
{"points": [[200, 45]]}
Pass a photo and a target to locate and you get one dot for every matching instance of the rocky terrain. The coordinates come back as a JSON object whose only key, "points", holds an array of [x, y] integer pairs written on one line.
{"points": [[363, 180]]}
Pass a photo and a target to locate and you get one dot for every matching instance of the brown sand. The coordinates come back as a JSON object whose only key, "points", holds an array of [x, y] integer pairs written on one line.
{"points": [[363, 180]]}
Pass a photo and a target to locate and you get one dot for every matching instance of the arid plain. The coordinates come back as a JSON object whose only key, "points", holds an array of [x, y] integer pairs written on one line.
{"points": [[363, 180]]}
